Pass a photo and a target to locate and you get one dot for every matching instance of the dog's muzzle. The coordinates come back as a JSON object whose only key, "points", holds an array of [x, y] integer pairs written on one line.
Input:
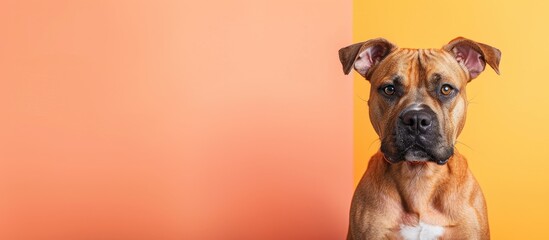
{"points": [[417, 138]]}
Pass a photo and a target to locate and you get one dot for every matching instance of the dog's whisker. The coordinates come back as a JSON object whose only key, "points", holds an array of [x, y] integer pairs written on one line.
{"points": [[471, 100], [364, 100], [359, 97], [464, 145], [372, 143]]}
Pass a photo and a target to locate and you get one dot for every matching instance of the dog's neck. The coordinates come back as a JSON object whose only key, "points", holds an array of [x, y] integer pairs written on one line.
{"points": [[418, 183]]}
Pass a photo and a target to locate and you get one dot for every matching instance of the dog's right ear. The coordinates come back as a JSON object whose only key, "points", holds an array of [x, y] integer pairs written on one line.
{"points": [[365, 55]]}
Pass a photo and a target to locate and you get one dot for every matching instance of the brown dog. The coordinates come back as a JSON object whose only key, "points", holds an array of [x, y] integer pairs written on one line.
{"points": [[416, 186]]}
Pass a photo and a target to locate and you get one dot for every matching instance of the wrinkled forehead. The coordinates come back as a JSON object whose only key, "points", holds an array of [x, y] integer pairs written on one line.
{"points": [[416, 65]]}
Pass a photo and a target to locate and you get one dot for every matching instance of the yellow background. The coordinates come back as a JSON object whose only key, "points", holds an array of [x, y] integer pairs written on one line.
{"points": [[507, 131]]}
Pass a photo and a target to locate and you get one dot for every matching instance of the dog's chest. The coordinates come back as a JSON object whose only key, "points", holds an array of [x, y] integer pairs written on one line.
{"points": [[422, 231]]}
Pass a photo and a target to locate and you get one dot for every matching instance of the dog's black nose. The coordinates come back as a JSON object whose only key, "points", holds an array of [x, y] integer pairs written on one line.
{"points": [[418, 121]]}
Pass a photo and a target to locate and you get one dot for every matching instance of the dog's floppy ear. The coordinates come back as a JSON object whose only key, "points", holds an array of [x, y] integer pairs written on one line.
{"points": [[473, 55], [365, 55]]}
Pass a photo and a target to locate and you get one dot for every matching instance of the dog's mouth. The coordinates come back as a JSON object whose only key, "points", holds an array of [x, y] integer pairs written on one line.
{"points": [[416, 154]]}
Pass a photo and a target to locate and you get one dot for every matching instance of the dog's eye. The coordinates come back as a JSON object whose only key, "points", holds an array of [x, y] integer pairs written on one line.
{"points": [[446, 89], [389, 90]]}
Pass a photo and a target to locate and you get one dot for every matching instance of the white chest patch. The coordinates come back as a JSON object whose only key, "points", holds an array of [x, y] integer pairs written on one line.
{"points": [[421, 232]]}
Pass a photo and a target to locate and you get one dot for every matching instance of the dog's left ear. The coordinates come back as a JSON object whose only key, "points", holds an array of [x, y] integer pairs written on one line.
{"points": [[473, 55]]}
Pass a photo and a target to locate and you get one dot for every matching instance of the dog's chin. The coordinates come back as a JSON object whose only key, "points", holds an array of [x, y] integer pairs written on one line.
{"points": [[416, 155]]}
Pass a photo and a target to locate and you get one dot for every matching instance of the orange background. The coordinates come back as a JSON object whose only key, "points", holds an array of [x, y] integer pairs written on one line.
{"points": [[232, 119], [174, 120]]}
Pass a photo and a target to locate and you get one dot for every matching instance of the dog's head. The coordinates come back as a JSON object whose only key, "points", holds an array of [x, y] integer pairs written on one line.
{"points": [[418, 100]]}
